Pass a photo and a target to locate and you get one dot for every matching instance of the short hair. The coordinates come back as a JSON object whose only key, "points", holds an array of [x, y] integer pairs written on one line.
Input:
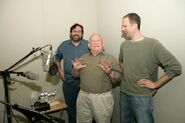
{"points": [[95, 34], [134, 18], [75, 25]]}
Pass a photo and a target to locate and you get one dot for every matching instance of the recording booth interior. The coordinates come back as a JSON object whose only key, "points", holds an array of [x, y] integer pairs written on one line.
{"points": [[30, 23], [41, 107]]}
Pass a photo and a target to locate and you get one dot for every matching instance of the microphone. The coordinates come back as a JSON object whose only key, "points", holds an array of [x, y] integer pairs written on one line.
{"points": [[47, 61], [52, 69], [31, 75]]}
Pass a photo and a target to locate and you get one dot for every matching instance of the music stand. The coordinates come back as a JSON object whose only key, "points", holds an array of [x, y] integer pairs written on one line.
{"points": [[32, 115]]}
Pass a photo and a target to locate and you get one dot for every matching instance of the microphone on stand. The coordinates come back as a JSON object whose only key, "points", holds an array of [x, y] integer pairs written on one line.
{"points": [[48, 60]]}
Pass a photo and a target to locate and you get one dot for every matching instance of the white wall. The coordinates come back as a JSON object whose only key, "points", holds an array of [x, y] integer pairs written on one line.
{"points": [[32, 23], [163, 20]]}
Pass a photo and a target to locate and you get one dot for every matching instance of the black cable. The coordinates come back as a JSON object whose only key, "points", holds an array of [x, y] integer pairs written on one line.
{"points": [[14, 116]]}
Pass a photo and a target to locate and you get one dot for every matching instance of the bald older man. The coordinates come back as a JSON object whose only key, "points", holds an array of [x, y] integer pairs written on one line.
{"points": [[97, 71]]}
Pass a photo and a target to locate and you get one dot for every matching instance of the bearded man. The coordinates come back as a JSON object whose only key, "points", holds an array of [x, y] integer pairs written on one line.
{"points": [[67, 51]]}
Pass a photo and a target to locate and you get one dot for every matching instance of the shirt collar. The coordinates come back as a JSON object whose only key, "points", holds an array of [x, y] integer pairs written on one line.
{"points": [[102, 52]]}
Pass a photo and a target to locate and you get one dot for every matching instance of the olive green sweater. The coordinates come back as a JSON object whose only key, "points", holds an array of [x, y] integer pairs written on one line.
{"points": [[92, 78], [141, 59]]}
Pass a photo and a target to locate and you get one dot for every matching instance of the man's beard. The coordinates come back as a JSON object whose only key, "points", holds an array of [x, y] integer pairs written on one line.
{"points": [[76, 38], [125, 36]]}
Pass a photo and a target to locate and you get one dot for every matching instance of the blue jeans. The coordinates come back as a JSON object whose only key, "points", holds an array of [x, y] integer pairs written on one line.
{"points": [[136, 109], [71, 91]]}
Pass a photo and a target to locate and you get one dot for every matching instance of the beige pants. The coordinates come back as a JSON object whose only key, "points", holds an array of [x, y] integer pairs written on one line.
{"points": [[94, 105]]}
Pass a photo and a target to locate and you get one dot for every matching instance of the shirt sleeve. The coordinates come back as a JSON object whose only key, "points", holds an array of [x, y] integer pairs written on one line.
{"points": [[166, 60], [117, 70], [120, 59], [58, 56]]}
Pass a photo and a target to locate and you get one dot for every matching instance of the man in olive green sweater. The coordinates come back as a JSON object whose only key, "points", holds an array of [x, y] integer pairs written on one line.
{"points": [[97, 71], [140, 58]]}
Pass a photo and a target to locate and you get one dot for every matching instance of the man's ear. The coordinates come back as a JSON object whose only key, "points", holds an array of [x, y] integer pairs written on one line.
{"points": [[135, 25]]}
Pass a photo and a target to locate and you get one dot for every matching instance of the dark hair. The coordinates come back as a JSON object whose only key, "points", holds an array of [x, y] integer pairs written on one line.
{"points": [[134, 18], [75, 25]]}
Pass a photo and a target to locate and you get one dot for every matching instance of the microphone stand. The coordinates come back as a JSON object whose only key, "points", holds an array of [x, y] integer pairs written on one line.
{"points": [[6, 79], [32, 115]]}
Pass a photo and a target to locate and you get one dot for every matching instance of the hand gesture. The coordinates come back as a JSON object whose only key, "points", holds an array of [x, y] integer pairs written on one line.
{"points": [[106, 66], [77, 64]]}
